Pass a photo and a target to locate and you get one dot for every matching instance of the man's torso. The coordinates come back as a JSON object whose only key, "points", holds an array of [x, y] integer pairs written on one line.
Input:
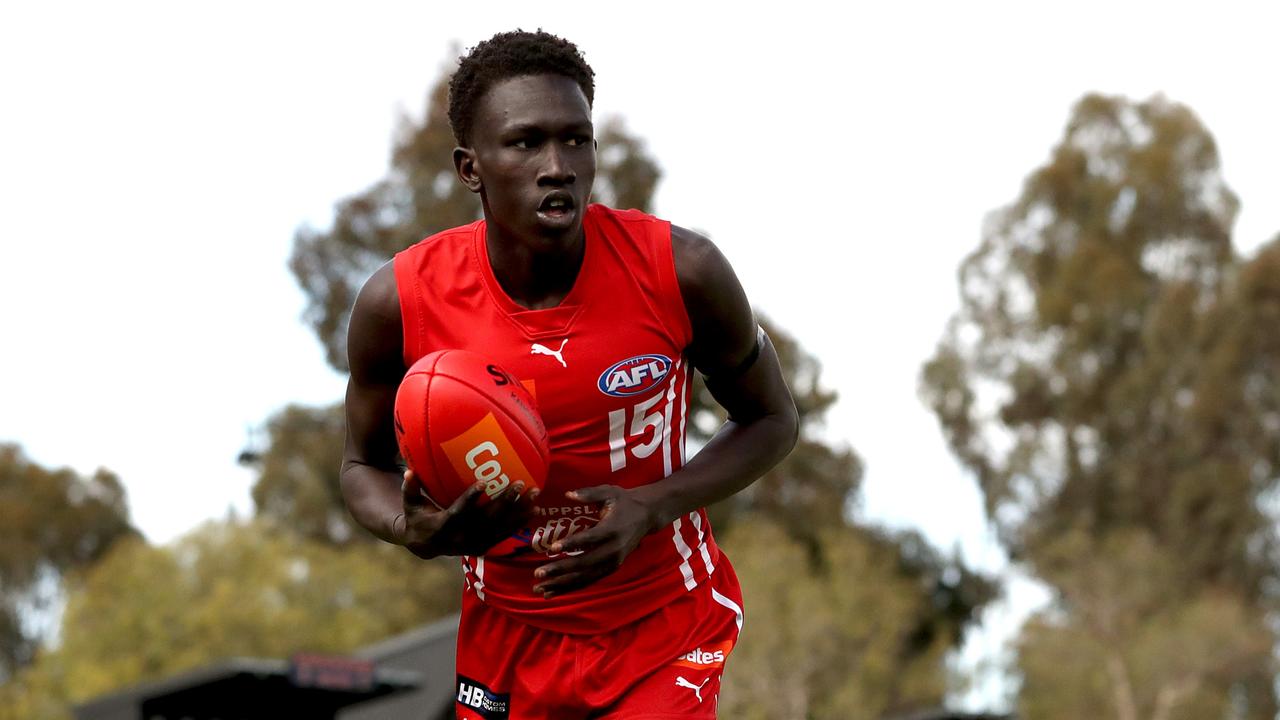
{"points": [[607, 370]]}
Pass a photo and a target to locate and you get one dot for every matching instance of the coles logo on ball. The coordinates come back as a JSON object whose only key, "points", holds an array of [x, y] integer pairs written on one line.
{"points": [[634, 375], [484, 453], [559, 529]]}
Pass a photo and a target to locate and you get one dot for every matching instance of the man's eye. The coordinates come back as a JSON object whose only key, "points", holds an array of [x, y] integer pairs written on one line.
{"points": [[579, 140], [522, 143]]}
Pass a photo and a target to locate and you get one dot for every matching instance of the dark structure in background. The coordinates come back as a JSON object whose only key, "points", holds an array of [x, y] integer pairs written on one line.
{"points": [[409, 676], [949, 715], [431, 651], [251, 688]]}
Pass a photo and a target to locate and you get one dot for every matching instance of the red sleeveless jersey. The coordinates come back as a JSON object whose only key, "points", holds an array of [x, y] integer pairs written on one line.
{"points": [[610, 378]]}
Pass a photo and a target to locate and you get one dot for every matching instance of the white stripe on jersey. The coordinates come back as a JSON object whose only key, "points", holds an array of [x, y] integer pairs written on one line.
{"points": [[696, 517], [685, 553], [684, 409], [737, 610], [466, 572], [479, 586], [666, 421]]}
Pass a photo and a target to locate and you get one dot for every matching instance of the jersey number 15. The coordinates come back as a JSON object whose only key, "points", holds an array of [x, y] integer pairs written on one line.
{"points": [[642, 420]]}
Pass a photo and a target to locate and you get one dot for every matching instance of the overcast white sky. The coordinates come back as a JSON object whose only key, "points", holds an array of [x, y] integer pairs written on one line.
{"points": [[156, 158]]}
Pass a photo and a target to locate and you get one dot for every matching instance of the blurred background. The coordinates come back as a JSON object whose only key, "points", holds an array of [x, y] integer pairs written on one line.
{"points": [[1021, 260]]}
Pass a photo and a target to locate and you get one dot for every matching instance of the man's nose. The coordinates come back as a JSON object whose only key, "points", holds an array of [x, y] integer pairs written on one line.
{"points": [[556, 169]]}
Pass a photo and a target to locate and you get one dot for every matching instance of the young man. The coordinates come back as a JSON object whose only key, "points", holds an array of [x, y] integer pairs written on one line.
{"points": [[604, 596]]}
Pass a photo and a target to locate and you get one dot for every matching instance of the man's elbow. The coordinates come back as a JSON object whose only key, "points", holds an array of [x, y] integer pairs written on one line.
{"points": [[784, 424], [353, 482], [790, 419]]}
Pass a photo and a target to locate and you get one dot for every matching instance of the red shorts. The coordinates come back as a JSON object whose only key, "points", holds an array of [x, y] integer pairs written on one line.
{"points": [[665, 665]]}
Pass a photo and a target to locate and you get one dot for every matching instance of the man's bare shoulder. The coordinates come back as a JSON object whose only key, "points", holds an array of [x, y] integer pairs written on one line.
{"points": [[375, 340], [380, 296], [696, 259], [724, 327]]}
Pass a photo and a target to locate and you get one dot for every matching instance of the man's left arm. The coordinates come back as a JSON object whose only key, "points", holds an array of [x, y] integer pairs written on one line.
{"points": [[742, 372]]}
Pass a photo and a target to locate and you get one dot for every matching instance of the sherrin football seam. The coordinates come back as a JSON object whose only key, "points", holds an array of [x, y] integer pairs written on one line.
{"points": [[426, 426], [510, 416]]}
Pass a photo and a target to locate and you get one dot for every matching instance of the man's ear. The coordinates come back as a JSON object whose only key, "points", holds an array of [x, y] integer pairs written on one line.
{"points": [[464, 163]]}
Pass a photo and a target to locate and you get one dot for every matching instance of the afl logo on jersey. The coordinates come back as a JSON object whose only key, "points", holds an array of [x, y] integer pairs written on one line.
{"points": [[635, 375]]}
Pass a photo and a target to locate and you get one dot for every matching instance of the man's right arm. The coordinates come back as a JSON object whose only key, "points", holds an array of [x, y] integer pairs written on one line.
{"points": [[382, 499], [371, 480]]}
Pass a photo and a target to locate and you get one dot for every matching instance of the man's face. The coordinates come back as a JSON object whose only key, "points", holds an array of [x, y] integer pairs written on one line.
{"points": [[534, 154]]}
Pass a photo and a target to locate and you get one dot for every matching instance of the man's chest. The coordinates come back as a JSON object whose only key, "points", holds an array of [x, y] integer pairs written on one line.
{"points": [[595, 367], [611, 388]]}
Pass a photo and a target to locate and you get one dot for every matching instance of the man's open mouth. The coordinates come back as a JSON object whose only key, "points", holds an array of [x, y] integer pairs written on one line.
{"points": [[556, 204]]}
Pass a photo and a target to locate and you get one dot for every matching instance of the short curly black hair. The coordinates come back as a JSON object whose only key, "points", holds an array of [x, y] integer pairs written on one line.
{"points": [[507, 55]]}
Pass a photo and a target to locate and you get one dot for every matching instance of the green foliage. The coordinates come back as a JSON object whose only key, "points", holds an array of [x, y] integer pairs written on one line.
{"points": [[812, 487], [419, 197], [1113, 378], [843, 621], [626, 175], [226, 590], [857, 637], [38, 692], [51, 522], [1121, 649], [297, 488]]}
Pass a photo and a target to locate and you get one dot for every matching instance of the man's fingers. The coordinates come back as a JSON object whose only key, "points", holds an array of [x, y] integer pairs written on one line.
{"points": [[512, 493], [506, 522], [572, 573], [474, 522], [583, 540], [508, 495], [411, 491], [593, 494], [574, 577], [596, 556], [526, 495], [467, 500], [566, 583], [512, 502], [560, 567]]}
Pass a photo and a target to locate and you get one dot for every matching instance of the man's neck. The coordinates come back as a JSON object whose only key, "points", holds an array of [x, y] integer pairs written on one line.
{"points": [[535, 275]]}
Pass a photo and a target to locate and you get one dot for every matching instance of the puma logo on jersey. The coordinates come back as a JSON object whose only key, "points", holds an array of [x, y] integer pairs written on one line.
{"points": [[540, 349], [697, 689]]}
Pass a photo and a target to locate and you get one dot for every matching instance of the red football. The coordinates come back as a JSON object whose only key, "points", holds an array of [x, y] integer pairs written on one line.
{"points": [[460, 419]]}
